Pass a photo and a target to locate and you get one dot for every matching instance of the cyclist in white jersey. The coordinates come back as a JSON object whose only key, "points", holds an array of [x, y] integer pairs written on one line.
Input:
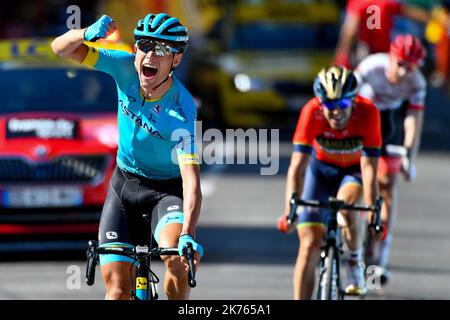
{"points": [[395, 84]]}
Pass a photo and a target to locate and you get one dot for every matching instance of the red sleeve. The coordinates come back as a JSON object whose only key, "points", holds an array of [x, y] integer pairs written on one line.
{"points": [[305, 131], [353, 8], [372, 132], [396, 8], [415, 107]]}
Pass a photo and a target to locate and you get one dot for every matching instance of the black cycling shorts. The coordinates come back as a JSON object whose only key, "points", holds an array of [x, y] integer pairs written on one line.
{"points": [[392, 130], [323, 180], [130, 197]]}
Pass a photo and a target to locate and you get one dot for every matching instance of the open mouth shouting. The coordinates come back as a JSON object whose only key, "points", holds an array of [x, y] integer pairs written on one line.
{"points": [[149, 71]]}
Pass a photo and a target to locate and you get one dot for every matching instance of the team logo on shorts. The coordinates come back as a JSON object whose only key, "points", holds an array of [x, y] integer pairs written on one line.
{"points": [[171, 208], [173, 219], [112, 235]]}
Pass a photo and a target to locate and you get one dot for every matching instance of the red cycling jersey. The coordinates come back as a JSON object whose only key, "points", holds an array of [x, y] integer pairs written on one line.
{"points": [[376, 21], [361, 136]]}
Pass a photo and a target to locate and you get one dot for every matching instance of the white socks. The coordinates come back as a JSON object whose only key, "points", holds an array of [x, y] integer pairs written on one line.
{"points": [[355, 255], [385, 247]]}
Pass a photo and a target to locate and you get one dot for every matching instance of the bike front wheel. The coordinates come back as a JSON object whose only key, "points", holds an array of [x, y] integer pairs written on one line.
{"points": [[328, 286]]}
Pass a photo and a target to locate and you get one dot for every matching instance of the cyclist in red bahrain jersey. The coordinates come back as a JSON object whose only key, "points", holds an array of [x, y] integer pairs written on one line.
{"points": [[336, 148]]}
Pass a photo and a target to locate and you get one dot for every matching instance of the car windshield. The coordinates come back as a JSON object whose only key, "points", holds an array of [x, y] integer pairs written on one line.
{"points": [[58, 90], [268, 35]]}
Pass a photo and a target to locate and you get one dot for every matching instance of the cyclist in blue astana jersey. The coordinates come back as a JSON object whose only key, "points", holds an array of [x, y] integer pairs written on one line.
{"points": [[157, 169]]}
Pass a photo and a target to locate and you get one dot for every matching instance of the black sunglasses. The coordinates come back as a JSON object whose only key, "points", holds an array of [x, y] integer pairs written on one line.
{"points": [[161, 49]]}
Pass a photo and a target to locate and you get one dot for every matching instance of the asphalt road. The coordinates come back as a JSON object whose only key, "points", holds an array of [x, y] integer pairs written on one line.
{"points": [[247, 258]]}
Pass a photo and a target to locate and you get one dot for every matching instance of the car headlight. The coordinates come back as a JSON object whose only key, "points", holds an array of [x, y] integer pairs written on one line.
{"points": [[245, 83]]}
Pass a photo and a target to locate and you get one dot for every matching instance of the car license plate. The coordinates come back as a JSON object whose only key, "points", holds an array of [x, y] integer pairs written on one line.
{"points": [[41, 197]]}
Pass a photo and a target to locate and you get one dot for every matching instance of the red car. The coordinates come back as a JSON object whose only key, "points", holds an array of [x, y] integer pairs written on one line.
{"points": [[58, 143]]}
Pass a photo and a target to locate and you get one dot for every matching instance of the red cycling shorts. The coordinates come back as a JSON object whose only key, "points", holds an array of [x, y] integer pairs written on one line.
{"points": [[389, 165]]}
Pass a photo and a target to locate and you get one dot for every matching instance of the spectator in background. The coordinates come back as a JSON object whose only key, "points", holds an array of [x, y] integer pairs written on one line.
{"points": [[403, 24], [438, 33], [371, 22]]}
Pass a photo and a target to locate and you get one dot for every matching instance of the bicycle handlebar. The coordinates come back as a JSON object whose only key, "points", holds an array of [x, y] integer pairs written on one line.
{"points": [[91, 261], [189, 251], [336, 205], [133, 253], [293, 207], [376, 224]]}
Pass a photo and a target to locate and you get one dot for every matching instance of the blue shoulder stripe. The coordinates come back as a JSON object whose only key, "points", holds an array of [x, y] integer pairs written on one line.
{"points": [[303, 148], [371, 152]]}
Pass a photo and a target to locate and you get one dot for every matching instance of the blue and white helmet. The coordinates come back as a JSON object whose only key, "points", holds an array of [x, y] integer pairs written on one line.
{"points": [[161, 26], [334, 83]]}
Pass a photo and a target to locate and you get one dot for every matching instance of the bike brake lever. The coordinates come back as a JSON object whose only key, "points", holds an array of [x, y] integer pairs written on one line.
{"points": [[293, 207], [376, 225], [190, 259], [377, 228]]}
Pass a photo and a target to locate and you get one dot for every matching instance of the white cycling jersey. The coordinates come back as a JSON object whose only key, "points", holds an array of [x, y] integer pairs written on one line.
{"points": [[371, 75]]}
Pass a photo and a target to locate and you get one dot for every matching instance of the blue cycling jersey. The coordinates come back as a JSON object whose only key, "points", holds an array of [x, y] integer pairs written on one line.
{"points": [[155, 136]]}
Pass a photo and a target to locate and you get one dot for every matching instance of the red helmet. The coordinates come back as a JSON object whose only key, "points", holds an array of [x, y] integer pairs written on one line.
{"points": [[408, 48]]}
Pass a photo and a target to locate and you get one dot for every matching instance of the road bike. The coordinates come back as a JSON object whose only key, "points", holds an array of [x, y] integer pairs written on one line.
{"points": [[329, 279]]}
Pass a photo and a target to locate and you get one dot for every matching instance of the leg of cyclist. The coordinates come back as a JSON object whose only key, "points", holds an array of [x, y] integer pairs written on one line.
{"points": [[168, 222], [388, 190], [311, 240], [114, 223], [351, 192], [118, 282], [175, 281], [387, 181], [311, 228]]}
